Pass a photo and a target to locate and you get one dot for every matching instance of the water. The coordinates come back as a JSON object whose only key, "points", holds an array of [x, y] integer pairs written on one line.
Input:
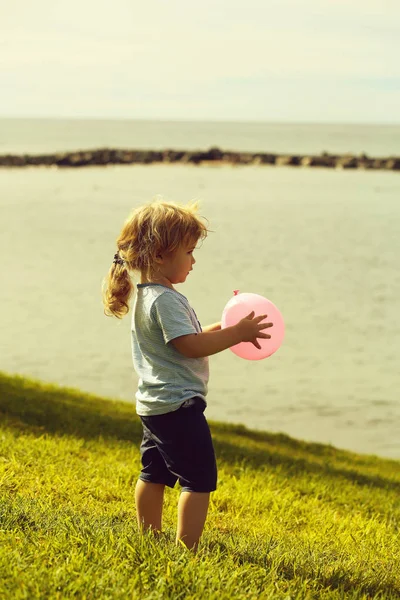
{"points": [[323, 245], [39, 135]]}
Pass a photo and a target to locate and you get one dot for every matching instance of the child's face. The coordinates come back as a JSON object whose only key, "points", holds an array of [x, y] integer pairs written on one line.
{"points": [[176, 267]]}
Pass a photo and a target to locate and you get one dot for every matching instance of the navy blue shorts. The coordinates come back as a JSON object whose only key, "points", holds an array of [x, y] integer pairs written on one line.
{"points": [[178, 446]]}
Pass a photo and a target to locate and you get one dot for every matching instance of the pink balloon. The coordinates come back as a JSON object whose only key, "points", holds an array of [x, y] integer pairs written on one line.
{"points": [[242, 305]]}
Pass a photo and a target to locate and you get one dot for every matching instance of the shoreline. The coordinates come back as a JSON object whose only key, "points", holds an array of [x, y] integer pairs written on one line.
{"points": [[54, 391], [216, 156]]}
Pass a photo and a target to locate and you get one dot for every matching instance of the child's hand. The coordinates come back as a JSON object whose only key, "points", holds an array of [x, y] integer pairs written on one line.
{"points": [[250, 329]]}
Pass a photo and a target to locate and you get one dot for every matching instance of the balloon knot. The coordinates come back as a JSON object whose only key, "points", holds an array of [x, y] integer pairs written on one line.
{"points": [[235, 292]]}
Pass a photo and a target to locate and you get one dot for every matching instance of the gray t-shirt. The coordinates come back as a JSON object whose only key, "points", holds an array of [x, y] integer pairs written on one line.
{"points": [[166, 377]]}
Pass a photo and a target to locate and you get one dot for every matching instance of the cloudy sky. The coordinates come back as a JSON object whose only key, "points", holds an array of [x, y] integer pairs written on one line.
{"points": [[270, 60]]}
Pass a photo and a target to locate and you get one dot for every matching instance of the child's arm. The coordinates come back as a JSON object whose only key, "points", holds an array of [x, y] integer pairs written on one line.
{"points": [[213, 327], [197, 345]]}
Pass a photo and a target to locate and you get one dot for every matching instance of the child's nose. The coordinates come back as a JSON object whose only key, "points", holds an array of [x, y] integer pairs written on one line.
{"points": [[193, 260]]}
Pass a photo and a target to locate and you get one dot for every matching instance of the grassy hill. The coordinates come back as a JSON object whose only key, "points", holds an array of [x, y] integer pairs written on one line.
{"points": [[289, 519]]}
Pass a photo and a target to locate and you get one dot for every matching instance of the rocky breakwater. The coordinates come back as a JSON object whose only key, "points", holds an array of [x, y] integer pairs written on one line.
{"points": [[101, 157]]}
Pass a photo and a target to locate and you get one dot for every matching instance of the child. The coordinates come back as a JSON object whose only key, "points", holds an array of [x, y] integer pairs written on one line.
{"points": [[170, 353]]}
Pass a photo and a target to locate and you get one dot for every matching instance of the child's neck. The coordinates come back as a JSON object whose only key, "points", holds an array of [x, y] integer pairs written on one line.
{"points": [[161, 280]]}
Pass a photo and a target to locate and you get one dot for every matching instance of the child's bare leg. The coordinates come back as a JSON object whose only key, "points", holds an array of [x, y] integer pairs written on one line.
{"points": [[149, 504], [192, 513]]}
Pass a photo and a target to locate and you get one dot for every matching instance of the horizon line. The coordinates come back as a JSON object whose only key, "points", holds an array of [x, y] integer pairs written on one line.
{"points": [[195, 120]]}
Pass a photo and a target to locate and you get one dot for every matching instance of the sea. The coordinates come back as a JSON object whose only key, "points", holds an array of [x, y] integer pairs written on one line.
{"points": [[322, 244]]}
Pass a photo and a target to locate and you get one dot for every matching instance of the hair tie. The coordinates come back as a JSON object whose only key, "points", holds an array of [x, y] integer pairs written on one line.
{"points": [[118, 260]]}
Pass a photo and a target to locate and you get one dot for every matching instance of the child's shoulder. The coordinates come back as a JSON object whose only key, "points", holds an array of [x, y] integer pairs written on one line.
{"points": [[160, 294], [170, 296]]}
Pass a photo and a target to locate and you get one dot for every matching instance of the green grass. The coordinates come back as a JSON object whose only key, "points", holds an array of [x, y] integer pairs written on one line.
{"points": [[289, 519]]}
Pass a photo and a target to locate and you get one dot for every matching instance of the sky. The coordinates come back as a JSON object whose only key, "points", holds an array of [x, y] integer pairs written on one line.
{"points": [[333, 61]]}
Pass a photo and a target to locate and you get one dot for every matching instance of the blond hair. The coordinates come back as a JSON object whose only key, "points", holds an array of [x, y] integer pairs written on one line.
{"points": [[152, 229]]}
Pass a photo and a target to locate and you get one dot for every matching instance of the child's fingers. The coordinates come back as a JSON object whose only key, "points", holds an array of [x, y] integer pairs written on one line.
{"points": [[260, 318], [265, 325], [264, 335]]}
